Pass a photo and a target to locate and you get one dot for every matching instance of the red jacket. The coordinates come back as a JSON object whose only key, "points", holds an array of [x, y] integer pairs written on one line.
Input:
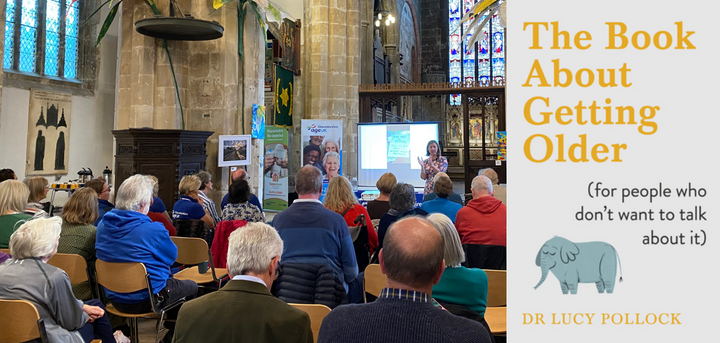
{"points": [[158, 217], [219, 248], [350, 217], [483, 221]]}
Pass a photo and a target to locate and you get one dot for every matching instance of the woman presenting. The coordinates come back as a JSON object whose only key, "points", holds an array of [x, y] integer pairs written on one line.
{"points": [[434, 164]]}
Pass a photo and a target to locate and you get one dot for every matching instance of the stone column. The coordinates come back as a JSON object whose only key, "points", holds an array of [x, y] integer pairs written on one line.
{"points": [[254, 91]]}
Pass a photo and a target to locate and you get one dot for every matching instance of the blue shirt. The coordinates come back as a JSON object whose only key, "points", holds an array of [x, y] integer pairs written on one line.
{"points": [[442, 205], [187, 208], [104, 206], [158, 205], [253, 200]]}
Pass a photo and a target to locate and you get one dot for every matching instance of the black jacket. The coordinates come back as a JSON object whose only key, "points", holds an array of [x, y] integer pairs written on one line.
{"points": [[309, 284]]}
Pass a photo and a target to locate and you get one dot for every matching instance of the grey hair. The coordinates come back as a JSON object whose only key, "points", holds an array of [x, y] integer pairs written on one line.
{"points": [[482, 183], [37, 238], [491, 174], [439, 175], [330, 154], [402, 197], [205, 178], [454, 254], [134, 192], [309, 180], [251, 249]]}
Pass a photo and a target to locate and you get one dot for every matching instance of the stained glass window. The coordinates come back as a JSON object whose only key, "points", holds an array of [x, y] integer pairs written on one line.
{"points": [[27, 50], [484, 61]]}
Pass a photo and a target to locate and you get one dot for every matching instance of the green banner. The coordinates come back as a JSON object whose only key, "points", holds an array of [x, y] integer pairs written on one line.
{"points": [[275, 169], [283, 97]]}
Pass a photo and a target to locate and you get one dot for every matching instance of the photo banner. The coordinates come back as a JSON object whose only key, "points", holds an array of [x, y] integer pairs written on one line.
{"points": [[275, 169], [322, 146], [614, 242]]}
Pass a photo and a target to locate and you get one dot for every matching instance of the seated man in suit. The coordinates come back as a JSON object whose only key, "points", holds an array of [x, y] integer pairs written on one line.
{"points": [[244, 310], [412, 260]]}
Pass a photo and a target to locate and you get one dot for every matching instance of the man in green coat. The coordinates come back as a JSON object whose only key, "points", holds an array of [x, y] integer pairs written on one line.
{"points": [[244, 310]]}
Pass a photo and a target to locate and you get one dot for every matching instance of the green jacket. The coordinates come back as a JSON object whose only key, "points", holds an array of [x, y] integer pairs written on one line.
{"points": [[241, 311]]}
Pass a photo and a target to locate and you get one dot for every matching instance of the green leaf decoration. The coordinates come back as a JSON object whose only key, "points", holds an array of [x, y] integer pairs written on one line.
{"points": [[96, 11], [154, 7], [108, 22]]}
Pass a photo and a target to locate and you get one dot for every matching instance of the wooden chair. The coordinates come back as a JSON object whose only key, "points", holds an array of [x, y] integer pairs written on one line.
{"points": [[497, 287], [129, 278], [20, 322], [317, 313], [374, 280], [7, 251], [195, 251], [77, 270]]}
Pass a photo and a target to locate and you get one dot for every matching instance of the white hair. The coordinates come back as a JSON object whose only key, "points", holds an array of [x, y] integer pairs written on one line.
{"points": [[454, 254], [330, 154], [251, 249], [439, 175], [134, 192], [482, 183], [37, 238]]}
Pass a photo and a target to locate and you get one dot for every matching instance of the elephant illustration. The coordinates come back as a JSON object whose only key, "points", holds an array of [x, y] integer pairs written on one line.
{"points": [[574, 263]]}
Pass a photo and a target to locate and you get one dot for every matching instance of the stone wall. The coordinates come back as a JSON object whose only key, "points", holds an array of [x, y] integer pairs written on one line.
{"points": [[434, 40]]}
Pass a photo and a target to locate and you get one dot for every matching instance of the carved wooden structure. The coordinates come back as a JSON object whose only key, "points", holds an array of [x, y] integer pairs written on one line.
{"points": [[167, 154]]}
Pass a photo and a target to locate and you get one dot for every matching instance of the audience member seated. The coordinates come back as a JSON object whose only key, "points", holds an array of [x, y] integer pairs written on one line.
{"points": [[381, 205], [412, 260], [27, 277], [316, 235], [78, 233], [7, 174], [244, 310], [100, 186], [158, 206], [207, 203], [500, 191], [13, 198], [458, 285], [340, 198], [239, 206], [126, 234], [402, 204], [38, 187], [188, 207], [454, 197], [443, 188], [484, 219], [241, 174]]}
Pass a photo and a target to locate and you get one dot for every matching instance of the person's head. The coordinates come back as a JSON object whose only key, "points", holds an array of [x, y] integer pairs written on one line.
{"points": [[206, 181], [190, 186], [100, 186], [38, 187], [412, 253], [135, 194], [439, 175], [339, 194], [491, 174], [13, 196], [433, 148], [309, 181], [454, 254], [385, 183], [330, 145], [7, 174], [481, 186], [316, 140], [37, 238], [156, 186], [331, 163], [239, 174], [402, 197], [239, 192], [443, 187], [81, 208], [254, 249], [311, 155]]}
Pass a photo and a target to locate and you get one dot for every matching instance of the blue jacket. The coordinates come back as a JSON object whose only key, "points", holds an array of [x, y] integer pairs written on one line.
{"points": [[313, 234], [104, 206], [442, 205], [129, 236]]}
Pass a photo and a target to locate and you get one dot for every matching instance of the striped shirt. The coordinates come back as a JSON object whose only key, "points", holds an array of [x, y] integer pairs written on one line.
{"points": [[209, 207], [394, 293]]}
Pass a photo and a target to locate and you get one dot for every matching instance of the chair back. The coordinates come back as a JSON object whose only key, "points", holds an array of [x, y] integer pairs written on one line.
{"points": [[122, 277], [374, 280], [485, 256], [7, 251], [317, 313], [194, 228], [73, 264], [497, 287], [191, 250], [19, 322]]}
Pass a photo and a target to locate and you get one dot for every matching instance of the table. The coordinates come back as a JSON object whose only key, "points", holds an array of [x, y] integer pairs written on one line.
{"points": [[496, 317]]}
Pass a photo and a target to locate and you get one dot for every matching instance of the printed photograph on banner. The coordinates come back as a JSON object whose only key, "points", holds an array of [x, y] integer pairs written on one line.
{"points": [[275, 169], [322, 146]]}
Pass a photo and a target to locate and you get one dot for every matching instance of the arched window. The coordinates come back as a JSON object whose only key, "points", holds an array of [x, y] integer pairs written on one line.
{"points": [[484, 60], [41, 37]]}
